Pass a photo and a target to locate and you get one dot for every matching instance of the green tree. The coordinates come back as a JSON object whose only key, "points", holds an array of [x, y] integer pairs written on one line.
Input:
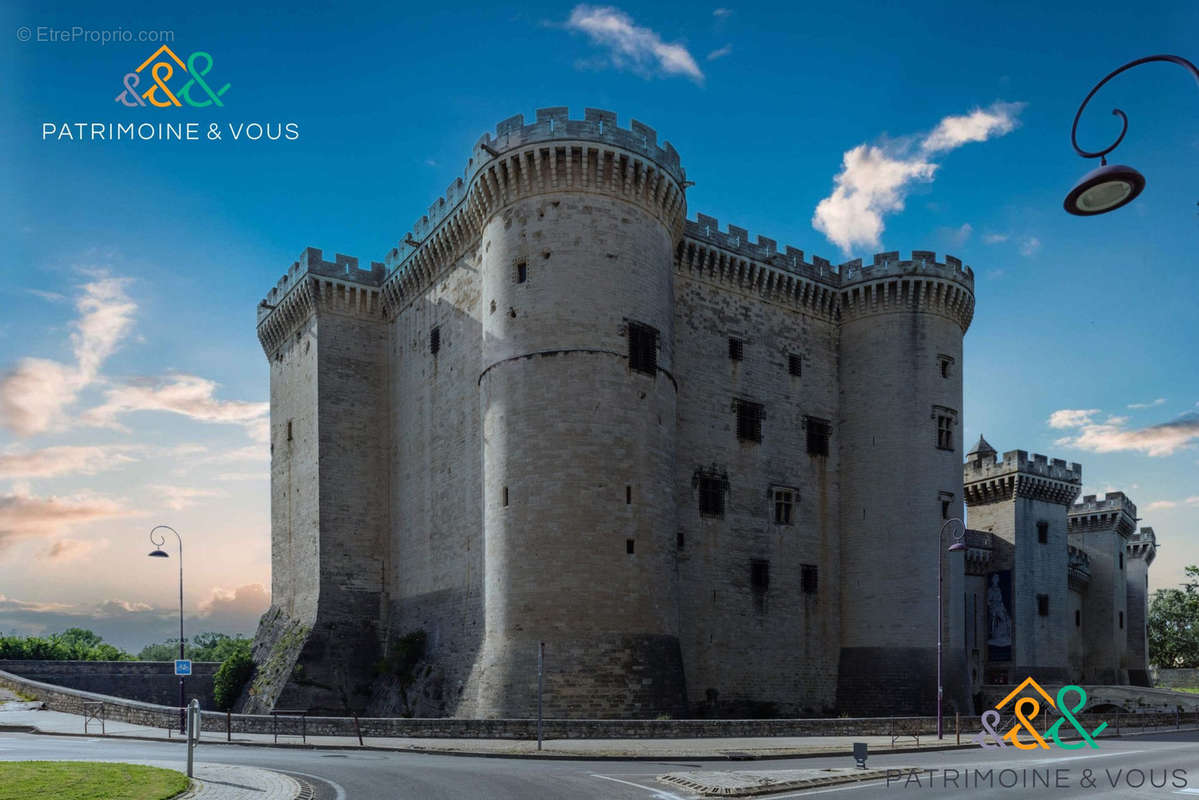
{"points": [[232, 676], [73, 644], [208, 646], [1174, 625]]}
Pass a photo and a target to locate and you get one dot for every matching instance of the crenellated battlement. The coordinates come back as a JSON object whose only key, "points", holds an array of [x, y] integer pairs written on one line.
{"points": [[737, 240], [989, 479], [1114, 513], [312, 261], [551, 125], [1112, 501], [1142, 544], [991, 465], [922, 262]]}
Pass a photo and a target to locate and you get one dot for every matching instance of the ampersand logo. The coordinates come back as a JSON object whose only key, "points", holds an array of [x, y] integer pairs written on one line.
{"points": [[196, 92], [1023, 734]]}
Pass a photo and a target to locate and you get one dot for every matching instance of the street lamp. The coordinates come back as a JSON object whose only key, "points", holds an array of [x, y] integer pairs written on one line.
{"points": [[957, 545], [1109, 187], [158, 552]]}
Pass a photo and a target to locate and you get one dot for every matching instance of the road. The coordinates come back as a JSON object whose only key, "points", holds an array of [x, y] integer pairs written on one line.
{"points": [[372, 775]]}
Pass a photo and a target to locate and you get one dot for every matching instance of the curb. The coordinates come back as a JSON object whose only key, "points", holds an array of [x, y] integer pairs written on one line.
{"points": [[708, 790]]}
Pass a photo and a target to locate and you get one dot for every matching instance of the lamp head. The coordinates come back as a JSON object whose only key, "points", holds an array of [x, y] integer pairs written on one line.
{"points": [[158, 554], [956, 547], [1104, 189]]}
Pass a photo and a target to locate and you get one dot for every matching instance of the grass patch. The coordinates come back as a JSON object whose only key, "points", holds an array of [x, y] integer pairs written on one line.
{"points": [[1192, 690], [85, 780]]}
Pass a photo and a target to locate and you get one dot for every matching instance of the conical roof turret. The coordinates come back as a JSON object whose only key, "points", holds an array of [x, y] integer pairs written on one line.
{"points": [[983, 448]]}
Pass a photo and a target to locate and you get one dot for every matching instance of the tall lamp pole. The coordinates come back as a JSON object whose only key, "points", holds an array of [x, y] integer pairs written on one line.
{"points": [[1111, 186], [957, 545], [158, 541]]}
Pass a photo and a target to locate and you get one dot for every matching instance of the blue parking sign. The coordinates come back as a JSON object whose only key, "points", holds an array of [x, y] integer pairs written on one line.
{"points": [[183, 666]]}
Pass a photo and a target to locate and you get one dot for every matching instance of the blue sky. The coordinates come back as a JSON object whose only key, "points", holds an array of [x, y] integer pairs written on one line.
{"points": [[133, 268]]}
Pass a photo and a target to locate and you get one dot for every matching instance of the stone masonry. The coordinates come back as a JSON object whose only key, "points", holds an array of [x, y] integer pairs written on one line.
{"points": [[703, 471]]}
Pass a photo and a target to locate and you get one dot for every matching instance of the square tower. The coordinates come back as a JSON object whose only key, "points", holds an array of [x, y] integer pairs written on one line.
{"points": [[1138, 555]]}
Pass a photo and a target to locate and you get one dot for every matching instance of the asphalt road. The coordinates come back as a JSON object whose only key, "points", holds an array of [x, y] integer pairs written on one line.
{"points": [[340, 775]]}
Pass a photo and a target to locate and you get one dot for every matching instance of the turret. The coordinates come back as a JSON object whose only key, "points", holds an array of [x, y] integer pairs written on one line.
{"points": [[900, 442], [1139, 553]]}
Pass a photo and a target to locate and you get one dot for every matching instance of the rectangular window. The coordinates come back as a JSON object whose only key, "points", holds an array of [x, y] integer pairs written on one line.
{"points": [[749, 420], [1121, 620], [643, 348], [1121, 561], [759, 575], [680, 540], [522, 272], [435, 339], [784, 504], [289, 430], [1043, 605], [944, 432], [505, 497], [818, 431], [1077, 618], [1043, 532], [795, 364], [736, 348], [628, 495], [945, 365], [807, 578], [628, 546], [944, 509], [711, 496]]}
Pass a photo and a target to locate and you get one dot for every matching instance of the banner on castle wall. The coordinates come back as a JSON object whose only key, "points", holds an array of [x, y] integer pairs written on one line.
{"points": [[999, 616]]}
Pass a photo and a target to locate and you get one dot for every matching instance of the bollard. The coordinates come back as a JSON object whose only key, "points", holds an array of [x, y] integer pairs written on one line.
{"points": [[193, 732], [228, 726], [957, 725], [358, 730]]}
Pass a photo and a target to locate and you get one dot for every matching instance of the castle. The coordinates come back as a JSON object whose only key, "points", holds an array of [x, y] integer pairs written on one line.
{"points": [[707, 474]]}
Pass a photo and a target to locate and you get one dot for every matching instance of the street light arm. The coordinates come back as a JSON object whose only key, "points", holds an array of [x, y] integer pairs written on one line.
{"points": [[1101, 154]]}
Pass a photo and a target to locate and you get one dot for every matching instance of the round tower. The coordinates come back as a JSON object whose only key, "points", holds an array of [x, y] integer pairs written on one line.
{"points": [[579, 222], [900, 441]]}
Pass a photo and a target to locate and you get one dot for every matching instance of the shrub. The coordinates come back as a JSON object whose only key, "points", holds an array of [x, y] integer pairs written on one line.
{"points": [[232, 676]]}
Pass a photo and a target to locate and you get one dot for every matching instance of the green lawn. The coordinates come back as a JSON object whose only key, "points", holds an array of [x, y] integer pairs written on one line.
{"points": [[1192, 691], [85, 780]]}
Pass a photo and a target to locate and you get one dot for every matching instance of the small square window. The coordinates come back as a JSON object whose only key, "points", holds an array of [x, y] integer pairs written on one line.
{"points": [[643, 348], [435, 339], [818, 431], [759, 575], [628, 546], [1077, 618], [807, 578], [522, 272], [1043, 532], [711, 496], [1043, 605], [795, 364], [736, 348], [749, 420], [784, 506]]}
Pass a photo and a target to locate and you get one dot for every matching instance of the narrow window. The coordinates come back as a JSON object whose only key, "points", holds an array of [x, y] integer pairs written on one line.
{"points": [[711, 496], [522, 272], [1121, 620], [944, 509], [289, 430], [807, 578], [680, 540], [736, 348], [759, 575], [945, 365], [944, 432], [1121, 561], [749, 420], [1077, 618], [628, 546], [818, 431], [1043, 532], [946, 499], [628, 495], [1043, 605], [643, 348], [784, 504], [435, 339], [505, 497], [795, 364]]}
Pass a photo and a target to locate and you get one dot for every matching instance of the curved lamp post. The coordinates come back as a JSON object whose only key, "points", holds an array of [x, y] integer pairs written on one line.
{"points": [[158, 552], [1111, 186], [958, 545]]}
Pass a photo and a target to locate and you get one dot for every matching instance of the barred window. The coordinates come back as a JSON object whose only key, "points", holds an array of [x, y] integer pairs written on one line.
{"points": [[807, 578], [784, 505], [643, 348], [819, 431], [795, 364], [736, 348], [522, 272], [749, 420], [435, 339]]}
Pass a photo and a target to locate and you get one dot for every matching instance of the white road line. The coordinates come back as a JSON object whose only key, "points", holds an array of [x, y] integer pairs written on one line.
{"points": [[806, 792], [662, 794], [341, 793]]}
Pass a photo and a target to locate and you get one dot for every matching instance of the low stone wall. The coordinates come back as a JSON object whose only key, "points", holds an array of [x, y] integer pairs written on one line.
{"points": [[146, 681], [59, 698], [1176, 679]]}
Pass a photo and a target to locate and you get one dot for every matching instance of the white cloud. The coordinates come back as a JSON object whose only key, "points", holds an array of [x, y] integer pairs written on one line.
{"points": [[959, 236], [23, 515], [1072, 417], [35, 394], [722, 12], [995, 238], [1159, 505], [874, 179], [1110, 436], [630, 46], [50, 462], [720, 52], [1152, 404], [188, 395], [1030, 246], [180, 497], [75, 549]]}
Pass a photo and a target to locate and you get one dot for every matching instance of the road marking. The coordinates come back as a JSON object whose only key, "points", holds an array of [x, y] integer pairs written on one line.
{"points": [[806, 792], [659, 793], [341, 793], [1187, 791]]}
